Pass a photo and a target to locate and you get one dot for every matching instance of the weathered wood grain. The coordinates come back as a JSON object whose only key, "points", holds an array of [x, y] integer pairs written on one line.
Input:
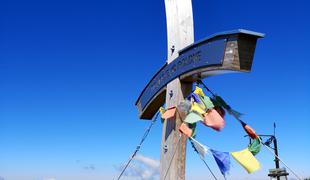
{"points": [[180, 34]]}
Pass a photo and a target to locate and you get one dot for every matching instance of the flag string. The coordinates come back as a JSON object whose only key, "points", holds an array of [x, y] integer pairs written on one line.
{"points": [[202, 159], [180, 136], [176, 148], [281, 161], [209, 168], [237, 118], [203, 84]]}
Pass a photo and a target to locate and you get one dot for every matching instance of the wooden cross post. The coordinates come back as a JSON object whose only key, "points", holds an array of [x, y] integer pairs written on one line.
{"points": [[180, 32], [187, 62]]}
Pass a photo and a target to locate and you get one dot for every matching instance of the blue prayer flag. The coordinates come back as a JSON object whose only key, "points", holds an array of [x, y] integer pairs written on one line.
{"points": [[223, 160], [195, 97]]}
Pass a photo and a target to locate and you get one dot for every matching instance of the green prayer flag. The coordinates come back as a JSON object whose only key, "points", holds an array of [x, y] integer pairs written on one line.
{"points": [[193, 128], [222, 103], [193, 117], [207, 102], [255, 146]]}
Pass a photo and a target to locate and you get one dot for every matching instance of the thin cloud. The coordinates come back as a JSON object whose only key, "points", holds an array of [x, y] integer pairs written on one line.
{"points": [[86, 166], [90, 167], [143, 168]]}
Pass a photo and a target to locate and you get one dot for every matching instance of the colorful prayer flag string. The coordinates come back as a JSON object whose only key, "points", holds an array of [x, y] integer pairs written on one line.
{"points": [[210, 111]]}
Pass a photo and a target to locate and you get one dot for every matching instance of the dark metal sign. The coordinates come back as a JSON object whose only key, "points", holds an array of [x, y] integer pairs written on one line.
{"points": [[206, 54]]}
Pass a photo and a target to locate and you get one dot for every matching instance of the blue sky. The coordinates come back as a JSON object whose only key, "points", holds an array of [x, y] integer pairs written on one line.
{"points": [[70, 72]]}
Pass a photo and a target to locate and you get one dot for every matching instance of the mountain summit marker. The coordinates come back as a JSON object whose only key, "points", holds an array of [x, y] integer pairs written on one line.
{"points": [[187, 62]]}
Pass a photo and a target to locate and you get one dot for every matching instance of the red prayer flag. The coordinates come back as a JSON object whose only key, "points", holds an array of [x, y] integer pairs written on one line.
{"points": [[170, 113], [220, 110], [214, 120], [249, 130], [185, 130]]}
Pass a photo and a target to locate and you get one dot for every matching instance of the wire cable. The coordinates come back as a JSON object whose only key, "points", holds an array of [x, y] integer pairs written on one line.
{"points": [[204, 85], [203, 160], [139, 145], [209, 168], [282, 162], [176, 148], [200, 82], [214, 95]]}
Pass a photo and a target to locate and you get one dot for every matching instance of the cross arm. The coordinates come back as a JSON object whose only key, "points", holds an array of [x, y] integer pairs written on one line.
{"points": [[230, 51]]}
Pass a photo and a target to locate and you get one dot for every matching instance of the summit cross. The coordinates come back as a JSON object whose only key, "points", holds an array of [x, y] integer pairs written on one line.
{"points": [[187, 62]]}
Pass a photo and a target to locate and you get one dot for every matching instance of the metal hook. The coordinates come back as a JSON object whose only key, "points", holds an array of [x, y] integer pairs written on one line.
{"points": [[171, 94], [172, 49], [165, 148]]}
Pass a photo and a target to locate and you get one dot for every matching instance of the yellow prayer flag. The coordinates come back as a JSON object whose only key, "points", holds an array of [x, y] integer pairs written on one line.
{"points": [[196, 107], [199, 91], [246, 159]]}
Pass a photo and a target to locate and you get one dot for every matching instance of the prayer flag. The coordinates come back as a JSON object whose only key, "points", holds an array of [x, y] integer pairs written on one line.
{"points": [[222, 160], [214, 120], [194, 97], [220, 101], [235, 113], [255, 146], [170, 113], [199, 148], [207, 102], [193, 128], [199, 91], [185, 130], [246, 159], [162, 111], [249, 130], [197, 108], [193, 117], [185, 106], [220, 110]]}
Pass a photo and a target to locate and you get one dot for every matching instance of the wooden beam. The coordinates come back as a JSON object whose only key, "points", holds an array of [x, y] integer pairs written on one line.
{"points": [[180, 34]]}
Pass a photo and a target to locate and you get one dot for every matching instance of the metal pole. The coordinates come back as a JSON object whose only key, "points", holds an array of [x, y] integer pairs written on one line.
{"points": [[275, 149], [276, 160], [276, 152]]}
